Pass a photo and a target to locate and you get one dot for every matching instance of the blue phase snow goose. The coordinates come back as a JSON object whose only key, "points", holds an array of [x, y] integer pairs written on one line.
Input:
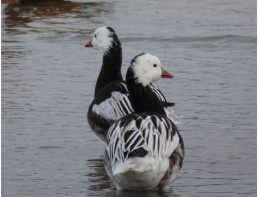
{"points": [[144, 150], [111, 97]]}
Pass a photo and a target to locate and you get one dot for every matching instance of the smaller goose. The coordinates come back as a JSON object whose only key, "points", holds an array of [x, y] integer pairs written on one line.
{"points": [[144, 150], [111, 100]]}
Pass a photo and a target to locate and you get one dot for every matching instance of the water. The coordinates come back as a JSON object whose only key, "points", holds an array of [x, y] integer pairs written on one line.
{"points": [[48, 79]]}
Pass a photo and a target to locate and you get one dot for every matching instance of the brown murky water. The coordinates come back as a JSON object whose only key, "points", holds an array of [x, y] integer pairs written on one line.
{"points": [[48, 79]]}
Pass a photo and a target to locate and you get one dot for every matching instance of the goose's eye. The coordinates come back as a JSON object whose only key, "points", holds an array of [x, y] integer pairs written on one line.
{"points": [[95, 35], [155, 65]]}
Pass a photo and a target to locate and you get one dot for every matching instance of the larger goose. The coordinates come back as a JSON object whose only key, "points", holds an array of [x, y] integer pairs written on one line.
{"points": [[111, 98], [144, 150]]}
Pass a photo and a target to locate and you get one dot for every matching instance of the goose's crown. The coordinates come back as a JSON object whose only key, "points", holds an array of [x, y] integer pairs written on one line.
{"points": [[147, 69], [103, 39]]}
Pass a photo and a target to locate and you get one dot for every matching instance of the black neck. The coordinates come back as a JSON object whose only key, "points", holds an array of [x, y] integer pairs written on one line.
{"points": [[111, 67], [143, 98]]}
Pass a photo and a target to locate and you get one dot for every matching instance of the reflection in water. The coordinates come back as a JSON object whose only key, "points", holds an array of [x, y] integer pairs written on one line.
{"points": [[100, 181], [140, 194], [24, 11]]}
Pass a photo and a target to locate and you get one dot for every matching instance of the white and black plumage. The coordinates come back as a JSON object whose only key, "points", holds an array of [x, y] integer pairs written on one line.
{"points": [[144, 150], [111, 97]]}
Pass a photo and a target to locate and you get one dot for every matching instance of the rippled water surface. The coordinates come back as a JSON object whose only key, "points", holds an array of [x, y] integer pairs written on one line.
{"points": [[48, 78]]}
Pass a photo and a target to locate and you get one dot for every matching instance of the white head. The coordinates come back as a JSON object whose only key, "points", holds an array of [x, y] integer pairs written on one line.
{"points": [[147, 69], [103, 38]]}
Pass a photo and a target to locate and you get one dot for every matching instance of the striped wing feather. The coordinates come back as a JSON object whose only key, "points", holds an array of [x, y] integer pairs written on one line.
{"points": [[115, 107], [157, 135], [113, 102], [168, 107]]}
